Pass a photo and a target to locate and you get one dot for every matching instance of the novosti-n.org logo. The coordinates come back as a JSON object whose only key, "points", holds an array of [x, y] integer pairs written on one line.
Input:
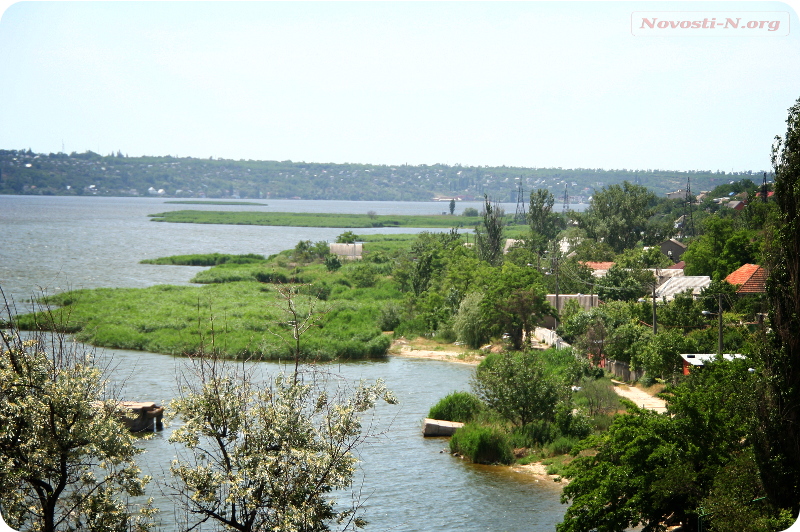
{"points": [[710, 23]]}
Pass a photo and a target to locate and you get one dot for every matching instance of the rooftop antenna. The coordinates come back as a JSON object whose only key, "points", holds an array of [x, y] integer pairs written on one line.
{"points": [[520, 216]]}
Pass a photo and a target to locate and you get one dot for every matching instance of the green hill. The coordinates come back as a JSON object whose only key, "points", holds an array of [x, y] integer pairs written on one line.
{"points": [[26, 172]]}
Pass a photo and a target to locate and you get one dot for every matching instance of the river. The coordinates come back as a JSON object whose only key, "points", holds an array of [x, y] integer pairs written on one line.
{"points": [[55, 243]]}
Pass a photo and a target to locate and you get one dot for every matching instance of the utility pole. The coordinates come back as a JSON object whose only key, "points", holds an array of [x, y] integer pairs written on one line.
{"points": [[655, 323], [719, 311], [555, 259]]}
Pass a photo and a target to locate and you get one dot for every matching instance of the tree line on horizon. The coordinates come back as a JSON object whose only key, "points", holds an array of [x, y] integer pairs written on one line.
{"points": [[89, 173]]}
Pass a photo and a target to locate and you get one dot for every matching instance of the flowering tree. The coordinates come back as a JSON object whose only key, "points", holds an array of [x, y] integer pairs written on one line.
{"points": [[66, 458], [267, 456]]}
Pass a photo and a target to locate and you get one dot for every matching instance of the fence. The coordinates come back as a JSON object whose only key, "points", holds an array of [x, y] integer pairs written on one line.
{"points": [[622, 370]]}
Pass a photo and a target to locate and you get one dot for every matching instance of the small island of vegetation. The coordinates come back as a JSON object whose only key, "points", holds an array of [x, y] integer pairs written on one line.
{"points": [[301, 219]]}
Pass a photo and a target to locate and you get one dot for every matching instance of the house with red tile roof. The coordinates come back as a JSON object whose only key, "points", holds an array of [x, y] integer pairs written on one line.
{"points": [[599, 269], [750, 279]]}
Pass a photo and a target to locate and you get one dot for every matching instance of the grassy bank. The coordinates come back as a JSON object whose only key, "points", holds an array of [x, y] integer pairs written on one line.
{"points": [[293, 219]]}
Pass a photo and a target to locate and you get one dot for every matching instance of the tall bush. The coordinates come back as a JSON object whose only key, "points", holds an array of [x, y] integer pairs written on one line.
{"points": [[482, 445], [468, 324], [457, 406]]}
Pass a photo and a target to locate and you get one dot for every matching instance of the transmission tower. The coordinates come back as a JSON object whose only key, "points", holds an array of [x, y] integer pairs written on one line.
{"points": [[520, 217], [687, 228], [565, 207]]}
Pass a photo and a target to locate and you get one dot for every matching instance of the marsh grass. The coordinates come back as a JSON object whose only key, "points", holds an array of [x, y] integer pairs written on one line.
{"points": [[238, 320], [211, 259], [295, 219]]}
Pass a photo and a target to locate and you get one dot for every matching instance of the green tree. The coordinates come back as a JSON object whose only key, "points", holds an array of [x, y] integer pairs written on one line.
{"points": [[544, 223], [655, 469], [452, 206], [348, 237], [517, 386], [720, 250], [777, 430], [66, 458], [515, 301], [660, 356], [468, 324], [618, 215], [489, 235]]}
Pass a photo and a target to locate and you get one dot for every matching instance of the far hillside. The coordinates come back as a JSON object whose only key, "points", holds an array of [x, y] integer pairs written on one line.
{"points": [[26, 172]]}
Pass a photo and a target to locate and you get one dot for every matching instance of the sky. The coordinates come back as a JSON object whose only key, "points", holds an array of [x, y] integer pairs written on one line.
{"points": [[535, 84]]}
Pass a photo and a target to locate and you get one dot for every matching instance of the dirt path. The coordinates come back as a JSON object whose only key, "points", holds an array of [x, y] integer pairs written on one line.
{"points": [[640, 397]]}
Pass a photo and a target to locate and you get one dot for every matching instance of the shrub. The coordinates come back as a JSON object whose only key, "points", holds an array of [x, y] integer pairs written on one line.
{"points": [[561, 445], [271, 277], [363, 275], [332, 263], [457, 406], [482, 445], [470, 211], [573, 423], [319, 290], [389, 317], [599, 396], [534, 434]]}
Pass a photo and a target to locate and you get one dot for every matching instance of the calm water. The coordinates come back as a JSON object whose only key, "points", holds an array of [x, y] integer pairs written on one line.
{"points": [[58, 243]]}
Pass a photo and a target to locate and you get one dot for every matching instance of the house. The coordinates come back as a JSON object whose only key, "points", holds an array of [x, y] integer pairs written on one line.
{"points": [[599, 269], [672, 249], [770, 193], [347, 251], [678, 194], [737, 205], [680, 284], [698, 360], [750, 279]]}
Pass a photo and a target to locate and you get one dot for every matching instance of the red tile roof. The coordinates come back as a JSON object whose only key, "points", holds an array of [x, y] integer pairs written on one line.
{"points": [[677, 266], [598, 265], [750, 278]]}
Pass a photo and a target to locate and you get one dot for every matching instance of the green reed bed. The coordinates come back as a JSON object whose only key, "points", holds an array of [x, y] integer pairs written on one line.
{"points": [[238, 320], [208, 259], [293, 219], [216, 202]]}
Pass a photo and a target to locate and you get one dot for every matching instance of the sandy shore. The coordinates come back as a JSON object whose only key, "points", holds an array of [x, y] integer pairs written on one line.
{"points": [[415, 349], [538, 471]]}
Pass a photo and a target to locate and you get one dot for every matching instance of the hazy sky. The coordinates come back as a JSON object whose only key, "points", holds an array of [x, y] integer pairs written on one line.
{"points": [[570, 84]]}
